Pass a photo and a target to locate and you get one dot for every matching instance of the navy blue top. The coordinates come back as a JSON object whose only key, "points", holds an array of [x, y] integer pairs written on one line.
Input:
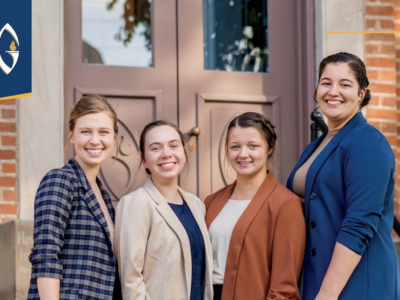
{"points": [[196, 246]]}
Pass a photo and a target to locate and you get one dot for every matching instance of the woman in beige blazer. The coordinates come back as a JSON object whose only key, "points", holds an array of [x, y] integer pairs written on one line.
{"points": [[161, 239]]}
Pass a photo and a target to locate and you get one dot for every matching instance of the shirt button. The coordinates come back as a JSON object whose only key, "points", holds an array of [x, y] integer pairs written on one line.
{"points": [[313, 196], [364, 241], [313, 252], [361, 246], [313, 224]]}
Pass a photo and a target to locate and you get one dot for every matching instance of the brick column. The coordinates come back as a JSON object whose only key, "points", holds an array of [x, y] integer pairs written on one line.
{"points": [[8, 160], [380, 60]]}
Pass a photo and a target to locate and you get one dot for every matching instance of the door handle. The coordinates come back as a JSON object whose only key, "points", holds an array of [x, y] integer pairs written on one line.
{"points": [[194, 132]]}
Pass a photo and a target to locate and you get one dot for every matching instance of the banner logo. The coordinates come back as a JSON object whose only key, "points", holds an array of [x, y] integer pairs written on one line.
{"points": [[14, 54]]}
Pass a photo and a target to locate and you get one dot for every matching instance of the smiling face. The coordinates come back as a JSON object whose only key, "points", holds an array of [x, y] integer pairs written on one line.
{"points": [[164, 154], [338, 94], [93, 138], [247, 152]]}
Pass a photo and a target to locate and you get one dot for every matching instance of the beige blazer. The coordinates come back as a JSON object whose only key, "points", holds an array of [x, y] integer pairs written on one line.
{"points": [[153, 248]]}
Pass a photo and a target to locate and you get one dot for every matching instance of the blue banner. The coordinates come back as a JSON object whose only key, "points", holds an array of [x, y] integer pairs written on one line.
{"points": [[15, 49]]}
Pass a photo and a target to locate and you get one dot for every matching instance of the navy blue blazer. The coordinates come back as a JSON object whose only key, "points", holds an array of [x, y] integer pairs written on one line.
{"points": [[349, 199], [71, 237]]}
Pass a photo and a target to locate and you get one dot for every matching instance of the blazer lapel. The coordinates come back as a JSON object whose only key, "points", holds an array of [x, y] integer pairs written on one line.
{"points": [[323, 156], [218, 204], [240, 229], [90, 197], [172, 220]]}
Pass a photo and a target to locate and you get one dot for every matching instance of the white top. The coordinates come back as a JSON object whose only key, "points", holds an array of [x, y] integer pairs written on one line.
{"points": [[220, 233]]}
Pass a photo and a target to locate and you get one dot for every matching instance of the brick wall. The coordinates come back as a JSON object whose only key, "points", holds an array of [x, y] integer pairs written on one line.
{"points": [[8, 160], [380, 57]]}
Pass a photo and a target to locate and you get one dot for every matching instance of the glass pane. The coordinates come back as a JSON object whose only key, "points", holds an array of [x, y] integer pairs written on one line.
{"points": [[117, 32], [236, 35]]}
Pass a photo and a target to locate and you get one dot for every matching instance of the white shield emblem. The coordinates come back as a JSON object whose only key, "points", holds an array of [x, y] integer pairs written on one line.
{"points": [[14, 54]]}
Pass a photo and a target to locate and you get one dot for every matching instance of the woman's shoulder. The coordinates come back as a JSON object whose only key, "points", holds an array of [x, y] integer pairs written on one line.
{"points": [[283, 195], [216, 194], [59, 177], [191, 197], [365, 137]]}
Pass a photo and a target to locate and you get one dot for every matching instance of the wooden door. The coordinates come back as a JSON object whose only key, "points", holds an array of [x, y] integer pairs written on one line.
{"points": [[209, 99], [179, 85], [139, 94]]}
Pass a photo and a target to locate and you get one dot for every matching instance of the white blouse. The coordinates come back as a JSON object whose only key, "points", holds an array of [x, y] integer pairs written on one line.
{"points": [[220, 233]]}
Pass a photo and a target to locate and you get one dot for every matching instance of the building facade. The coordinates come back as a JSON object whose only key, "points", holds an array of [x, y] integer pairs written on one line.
{"points": [[196, 63]]}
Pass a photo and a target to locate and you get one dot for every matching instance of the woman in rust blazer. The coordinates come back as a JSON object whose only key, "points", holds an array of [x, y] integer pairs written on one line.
{"points": [[256, 225]]}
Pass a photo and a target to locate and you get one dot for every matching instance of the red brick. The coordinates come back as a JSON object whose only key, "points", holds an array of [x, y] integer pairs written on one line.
{"points": [[388, 49], [8, 168], [8, 209], [7, 154], [397, 25], [371, 49], [9, 195], [376, 124], [382, 88], [370, 23], [396, 14], [397, 3], [389, 114], [388, 75], [387, 24], [388, 101], [392, 140], [6, 219], [379, 11], [6, 181], [7, 140], [8, 113], [372, 74], [379, 37], [374, 100], [8, 127], [382, 62], [8, 102], [389, 127], [386, 1]]}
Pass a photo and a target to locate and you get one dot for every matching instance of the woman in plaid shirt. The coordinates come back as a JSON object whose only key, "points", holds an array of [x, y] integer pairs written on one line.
{"points": [[72, 256]]}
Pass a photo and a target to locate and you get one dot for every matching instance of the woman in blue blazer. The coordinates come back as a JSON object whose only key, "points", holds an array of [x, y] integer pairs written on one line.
{"points": [[346, 178]]}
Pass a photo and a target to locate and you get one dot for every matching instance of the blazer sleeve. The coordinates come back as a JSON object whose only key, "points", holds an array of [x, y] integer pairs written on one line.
{"points": [[53, 203], [287, 251], [368, 174], [132, 227]]}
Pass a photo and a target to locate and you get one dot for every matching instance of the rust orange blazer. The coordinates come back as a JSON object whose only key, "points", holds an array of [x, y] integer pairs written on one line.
{"points": [[267, 245]]}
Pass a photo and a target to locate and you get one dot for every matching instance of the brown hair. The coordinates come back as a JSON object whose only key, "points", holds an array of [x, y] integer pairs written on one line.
{"points": [[91, 104], [152, 125], [356, 65], [257, 121]]}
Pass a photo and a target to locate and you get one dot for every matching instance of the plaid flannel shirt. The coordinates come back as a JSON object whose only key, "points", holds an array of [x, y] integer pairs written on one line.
{"points": [[71, 237]]}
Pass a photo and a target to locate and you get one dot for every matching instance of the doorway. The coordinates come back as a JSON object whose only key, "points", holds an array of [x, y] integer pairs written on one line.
{"points": [[203, 62]]}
